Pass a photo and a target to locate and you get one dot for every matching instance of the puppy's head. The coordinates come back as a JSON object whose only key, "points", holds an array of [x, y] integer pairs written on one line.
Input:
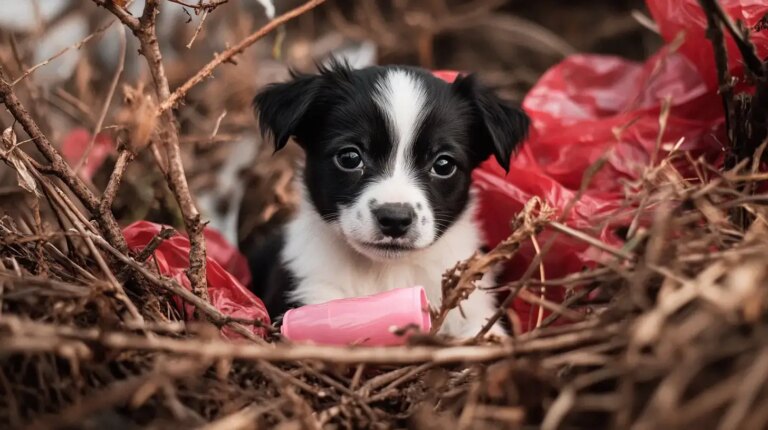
{"points": [[389, 150]]}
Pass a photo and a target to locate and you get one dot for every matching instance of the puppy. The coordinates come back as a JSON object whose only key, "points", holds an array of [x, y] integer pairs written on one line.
{"points": [[386, 187]]}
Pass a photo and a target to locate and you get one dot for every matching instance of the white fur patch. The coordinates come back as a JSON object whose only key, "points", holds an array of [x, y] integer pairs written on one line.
{"points": [[402, 99]]}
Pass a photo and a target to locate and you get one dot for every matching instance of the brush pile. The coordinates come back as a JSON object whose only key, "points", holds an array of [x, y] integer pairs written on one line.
{"points": [[669, 331]]}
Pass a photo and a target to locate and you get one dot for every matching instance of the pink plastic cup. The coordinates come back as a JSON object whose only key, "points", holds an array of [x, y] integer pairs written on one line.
{"points": [[370, 320]]}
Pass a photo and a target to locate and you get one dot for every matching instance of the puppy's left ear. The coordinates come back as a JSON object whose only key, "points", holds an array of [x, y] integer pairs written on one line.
{"points": [[283, 107], [501, 125]]}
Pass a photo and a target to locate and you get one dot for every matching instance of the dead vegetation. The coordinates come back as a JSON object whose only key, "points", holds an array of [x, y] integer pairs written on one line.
{"points": [[89, 338]]}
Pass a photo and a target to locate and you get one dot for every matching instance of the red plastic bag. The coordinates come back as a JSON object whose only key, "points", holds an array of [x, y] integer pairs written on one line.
{"points": [[674, 16], [227, 256], [584, 109], [227, 293]]}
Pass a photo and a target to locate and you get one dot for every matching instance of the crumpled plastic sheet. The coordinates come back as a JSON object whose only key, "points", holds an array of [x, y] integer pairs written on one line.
{"points": [[587, 109], [227, 273], [590, 108], [676, 16]]}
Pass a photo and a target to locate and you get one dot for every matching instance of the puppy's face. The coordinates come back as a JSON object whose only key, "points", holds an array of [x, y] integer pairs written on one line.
{"points": [[390, 150]]}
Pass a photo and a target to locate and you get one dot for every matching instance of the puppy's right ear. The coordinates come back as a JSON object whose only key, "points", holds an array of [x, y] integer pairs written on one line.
{"points": [[283, 107]]}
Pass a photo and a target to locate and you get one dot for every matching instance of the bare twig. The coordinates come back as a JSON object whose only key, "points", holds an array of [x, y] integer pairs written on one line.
{"points": [[77, 45], [107, 102], [201, 6], [165, 234], [115, 178], [591, 240], [197, 30], [715, 34]]}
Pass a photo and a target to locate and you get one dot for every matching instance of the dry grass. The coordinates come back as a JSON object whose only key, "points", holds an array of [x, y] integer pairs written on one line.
{"points": [[681, 342]]}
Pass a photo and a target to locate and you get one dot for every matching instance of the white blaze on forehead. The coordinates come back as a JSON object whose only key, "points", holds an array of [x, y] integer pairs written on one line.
{"points": [[401, 98]]}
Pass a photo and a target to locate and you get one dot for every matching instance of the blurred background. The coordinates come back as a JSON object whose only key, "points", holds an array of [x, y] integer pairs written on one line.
{"points": [[241, 187]]}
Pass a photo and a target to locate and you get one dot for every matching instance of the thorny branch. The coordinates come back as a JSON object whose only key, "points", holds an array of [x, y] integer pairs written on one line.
{"points": [[715, 34], [125, 157]]}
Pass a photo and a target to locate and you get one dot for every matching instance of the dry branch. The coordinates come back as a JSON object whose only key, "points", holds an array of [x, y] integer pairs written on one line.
{"points": [[145, 31], [30, 336]]}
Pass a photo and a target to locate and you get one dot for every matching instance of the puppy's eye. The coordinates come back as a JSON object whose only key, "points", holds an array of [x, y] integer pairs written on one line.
{"points": [[444, 167], [349, 159]]}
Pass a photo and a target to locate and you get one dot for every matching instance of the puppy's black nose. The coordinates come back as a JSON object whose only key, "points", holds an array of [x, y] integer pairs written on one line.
{"points": [[394, 218]]}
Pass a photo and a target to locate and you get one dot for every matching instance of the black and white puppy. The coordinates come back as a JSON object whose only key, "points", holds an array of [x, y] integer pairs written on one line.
{"points": [[386, 192]]}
